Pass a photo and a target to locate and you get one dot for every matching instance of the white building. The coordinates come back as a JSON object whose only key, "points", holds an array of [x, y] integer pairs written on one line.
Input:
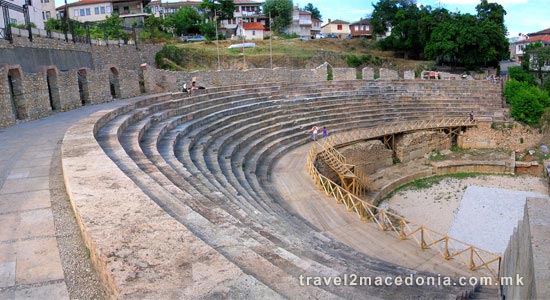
{"points": [[252, 30], [301, 22], [17, 18], [99, 10], [245, 11]]}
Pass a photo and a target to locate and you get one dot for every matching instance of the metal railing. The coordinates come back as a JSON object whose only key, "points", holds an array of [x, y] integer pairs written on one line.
{"points": [[449, 248]]}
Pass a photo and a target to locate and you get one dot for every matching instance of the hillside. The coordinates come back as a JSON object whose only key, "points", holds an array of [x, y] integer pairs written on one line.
{"points": [[292, 53]]}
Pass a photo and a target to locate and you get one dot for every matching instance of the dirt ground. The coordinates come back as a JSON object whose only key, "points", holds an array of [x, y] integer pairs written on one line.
{"points": [[436, 206]]}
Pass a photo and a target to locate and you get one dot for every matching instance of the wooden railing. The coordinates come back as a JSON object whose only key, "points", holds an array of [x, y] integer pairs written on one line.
{"points": [[379, 131], [449, 248]]}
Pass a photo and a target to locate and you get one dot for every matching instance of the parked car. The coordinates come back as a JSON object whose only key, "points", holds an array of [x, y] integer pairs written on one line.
{"points": [[304, 38], [332, 36], [197, 38], [320, 36]]}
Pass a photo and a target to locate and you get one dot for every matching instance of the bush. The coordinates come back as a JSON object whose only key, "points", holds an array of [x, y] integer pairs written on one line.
{"points": [[519, 74], [527, 101]]}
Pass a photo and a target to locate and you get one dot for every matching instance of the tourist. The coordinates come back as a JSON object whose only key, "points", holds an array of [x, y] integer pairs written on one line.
{"points": [[325, 133], [471, 116], [314, 131]]}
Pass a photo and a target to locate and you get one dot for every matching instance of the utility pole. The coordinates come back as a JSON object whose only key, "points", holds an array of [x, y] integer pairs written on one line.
{"points": [[270, 42], [243, 33]]}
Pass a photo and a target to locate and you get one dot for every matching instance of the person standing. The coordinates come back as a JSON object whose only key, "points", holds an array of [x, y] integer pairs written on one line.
{"points": [[314, 130], [471, 116], [325, 133]]}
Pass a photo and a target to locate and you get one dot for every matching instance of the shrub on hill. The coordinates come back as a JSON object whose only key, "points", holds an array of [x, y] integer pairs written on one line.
{"points": [[519, 74], [527, 101]]}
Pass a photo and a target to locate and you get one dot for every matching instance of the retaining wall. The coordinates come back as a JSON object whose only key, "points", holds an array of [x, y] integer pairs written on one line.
{"points": [[527, 253]]}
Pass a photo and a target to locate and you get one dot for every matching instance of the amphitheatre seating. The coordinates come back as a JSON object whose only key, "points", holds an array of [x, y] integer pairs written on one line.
{"points": [[206, 160]]}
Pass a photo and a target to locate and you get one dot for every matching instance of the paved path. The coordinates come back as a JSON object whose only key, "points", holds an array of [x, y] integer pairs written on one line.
{"points": [[31, 266], [296, 186]]}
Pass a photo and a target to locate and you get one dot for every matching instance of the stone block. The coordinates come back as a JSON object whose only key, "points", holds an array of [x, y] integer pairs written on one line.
{"points": [[368, 73], [409, 75], [387, 74]]}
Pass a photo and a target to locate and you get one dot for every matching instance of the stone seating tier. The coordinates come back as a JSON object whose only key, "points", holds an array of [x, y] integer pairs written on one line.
{"points": [[206, 159]]}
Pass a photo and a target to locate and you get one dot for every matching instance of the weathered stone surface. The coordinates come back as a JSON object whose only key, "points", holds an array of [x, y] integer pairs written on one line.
{"points": [[387, 74], [408, 75], [368, 73], [414, 145], [344, 74], [368, 156]]}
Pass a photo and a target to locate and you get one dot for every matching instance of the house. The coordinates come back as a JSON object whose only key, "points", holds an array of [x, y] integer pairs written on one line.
{"points": [[517, 48], [245, 11], [47, 8], [361, 28], [162, 9], [338, 27], [301, 22], [17, 18], [131, 11], [252, 30], [315, 26]]}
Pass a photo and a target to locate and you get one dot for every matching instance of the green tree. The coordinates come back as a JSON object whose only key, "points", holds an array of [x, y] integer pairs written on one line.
{"points": [[281, 13], [223, 9], [315, 13], [527, 101], [185, 21], [519, 74], [208, 30], [541, 59]]}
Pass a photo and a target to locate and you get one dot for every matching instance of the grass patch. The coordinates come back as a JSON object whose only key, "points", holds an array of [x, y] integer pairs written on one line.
{"points": [[428, 182]]}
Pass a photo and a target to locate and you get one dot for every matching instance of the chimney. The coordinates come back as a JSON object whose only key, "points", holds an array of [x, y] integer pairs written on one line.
{"points": [[329, 21]]}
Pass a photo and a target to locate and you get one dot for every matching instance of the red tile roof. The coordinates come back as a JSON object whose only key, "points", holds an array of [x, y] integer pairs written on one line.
{"points": [[541, 38], [253, 26]]}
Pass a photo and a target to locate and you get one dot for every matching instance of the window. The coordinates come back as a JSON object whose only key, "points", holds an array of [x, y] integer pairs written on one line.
{"points": [[253, 32], [339, 26], [88, 11], [13, 21], [76, 12], [82, 12], [357, 27], [237, 8], [96, 10], [43, 16], [367, 28], [102, 9], [108, 9], [48, 15]]}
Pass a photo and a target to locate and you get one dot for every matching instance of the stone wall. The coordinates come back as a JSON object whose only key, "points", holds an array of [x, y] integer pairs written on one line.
{"points": [[368, 73], [68, 55], [7, 105], [500, 136], [172, 80], [415, 145], [387, 74], [344, 74], [527, 253], [368, 156]]}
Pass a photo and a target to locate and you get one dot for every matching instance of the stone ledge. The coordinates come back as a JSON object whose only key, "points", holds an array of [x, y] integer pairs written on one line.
{"points": [[138, 249]]}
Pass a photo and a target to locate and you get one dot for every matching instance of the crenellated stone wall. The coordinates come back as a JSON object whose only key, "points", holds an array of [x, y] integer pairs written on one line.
{"points": [[174, 80], [344, 74]]}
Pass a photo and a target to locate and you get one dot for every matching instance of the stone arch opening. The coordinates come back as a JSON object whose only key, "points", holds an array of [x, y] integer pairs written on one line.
{"points": [[53, 89], [83, 90], [114, 83], [15, 83], [330, 72]]}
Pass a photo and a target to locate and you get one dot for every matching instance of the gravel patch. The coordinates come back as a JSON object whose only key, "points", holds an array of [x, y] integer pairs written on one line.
{"points": [[80, 276], [487, 217], [436, 207]]}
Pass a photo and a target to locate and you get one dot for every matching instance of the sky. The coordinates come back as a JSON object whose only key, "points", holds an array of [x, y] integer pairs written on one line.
{"points": [[523, 16]]}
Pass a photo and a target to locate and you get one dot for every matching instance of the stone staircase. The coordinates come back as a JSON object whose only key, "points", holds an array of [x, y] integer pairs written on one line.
{"points": [[207, 161]]}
